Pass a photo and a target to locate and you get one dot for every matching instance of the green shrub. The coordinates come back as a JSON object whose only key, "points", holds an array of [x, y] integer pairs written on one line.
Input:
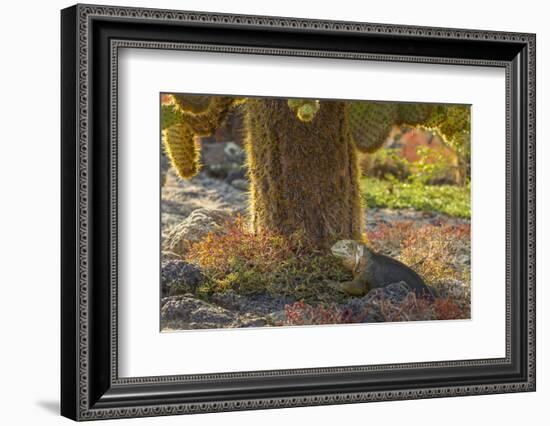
{"points": [[449, 199]]}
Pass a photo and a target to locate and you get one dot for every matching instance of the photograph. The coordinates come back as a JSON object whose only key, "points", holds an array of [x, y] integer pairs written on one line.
{"points": [[265, 210], [299, 211]]}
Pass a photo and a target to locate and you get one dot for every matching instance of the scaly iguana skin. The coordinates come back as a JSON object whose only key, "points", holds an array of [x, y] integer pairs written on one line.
{"points": [[371, 270]]}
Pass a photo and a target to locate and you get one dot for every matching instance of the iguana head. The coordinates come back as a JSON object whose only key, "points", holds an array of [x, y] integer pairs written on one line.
{"points": [[344, 249], [352, 253]]}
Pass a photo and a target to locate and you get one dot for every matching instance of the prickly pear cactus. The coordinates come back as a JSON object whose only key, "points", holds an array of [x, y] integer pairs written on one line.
{"points": [[191, 103], [413, 113], [371, 122], [450, 120], [301, 154], [169, 116], [183, 121], [305, 109], [453, 123], [182, 149]]}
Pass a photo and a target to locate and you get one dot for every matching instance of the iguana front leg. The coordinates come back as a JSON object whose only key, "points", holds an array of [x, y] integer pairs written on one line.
{"points": [[357, 287]]}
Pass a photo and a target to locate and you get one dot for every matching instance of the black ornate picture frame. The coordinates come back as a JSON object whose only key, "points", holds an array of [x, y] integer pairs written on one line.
{"points": [[91, 36]]}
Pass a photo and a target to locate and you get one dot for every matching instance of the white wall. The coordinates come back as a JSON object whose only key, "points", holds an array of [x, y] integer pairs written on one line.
{"points": [[29, 225]]}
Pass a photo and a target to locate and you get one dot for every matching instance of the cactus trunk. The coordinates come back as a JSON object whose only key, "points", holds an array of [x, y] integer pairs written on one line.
{"points": [[304, 175]]}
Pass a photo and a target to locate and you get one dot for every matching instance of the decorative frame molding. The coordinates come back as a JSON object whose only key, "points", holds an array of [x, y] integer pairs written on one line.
{"points": [[91, 388]]}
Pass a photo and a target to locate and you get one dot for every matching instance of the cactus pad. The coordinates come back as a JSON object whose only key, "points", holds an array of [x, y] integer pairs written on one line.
{"points": [[450, 120], [182, 149], [169, 116], [191, 103], [370, 123]]}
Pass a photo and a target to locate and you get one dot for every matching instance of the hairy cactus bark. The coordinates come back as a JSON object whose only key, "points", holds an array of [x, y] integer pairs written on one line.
{"points": [[304, 174]]}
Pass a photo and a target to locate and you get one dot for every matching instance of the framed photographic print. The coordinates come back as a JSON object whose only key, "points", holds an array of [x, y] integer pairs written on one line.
{"points": [[263, 212]]}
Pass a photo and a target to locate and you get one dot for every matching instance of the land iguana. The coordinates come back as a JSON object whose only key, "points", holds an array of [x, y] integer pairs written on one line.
{"points": [[371, 270]]}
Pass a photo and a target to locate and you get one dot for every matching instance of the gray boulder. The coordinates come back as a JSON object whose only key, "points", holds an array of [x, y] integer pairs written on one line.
{"points": [[396, 292], [234, 153], [368, 307], [164, 167], [186, 312], [240, 174], [179, 277], [241, 184], [220, 159], [255, 304], [455, 289], [194, 228]]}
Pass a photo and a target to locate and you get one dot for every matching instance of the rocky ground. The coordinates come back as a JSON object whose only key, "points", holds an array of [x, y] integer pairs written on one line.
{"points": [[191, 209]]}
